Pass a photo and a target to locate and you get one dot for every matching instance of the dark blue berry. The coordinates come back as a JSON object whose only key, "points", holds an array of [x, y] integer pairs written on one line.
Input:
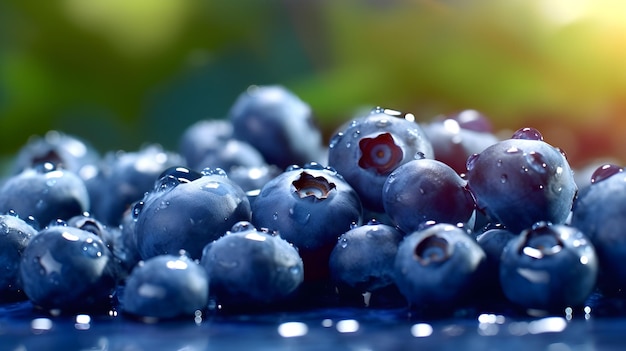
{"points": [[187, 210], [369, 148], [46, 193], [166, 287], [549, 267], [439, 267], [518, 182], [309, 207], [278, 124], [68, 269], [252, 268], [426, 190], [15, 235]]}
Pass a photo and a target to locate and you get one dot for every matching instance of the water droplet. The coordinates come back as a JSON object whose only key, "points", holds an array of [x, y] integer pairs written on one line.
{"points": [[164, 204], [527, 133], [343, 243], [294, 270], [92, 248], [356, 134], [382, 123], [373, 221], [214, 171], [503, 178], [275, 216], [605, 171], [419, 155], [335, 139], [242, 226], [348, 145], [471, 162], [291, 168], [499, 163], [137, 209], [512, 150], [536, 161]]}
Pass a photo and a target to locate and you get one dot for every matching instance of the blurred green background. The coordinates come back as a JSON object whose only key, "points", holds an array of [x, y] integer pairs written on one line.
{"points": [[122, 73]]}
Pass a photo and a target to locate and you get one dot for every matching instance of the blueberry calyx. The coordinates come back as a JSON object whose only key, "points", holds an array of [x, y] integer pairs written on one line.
{"points": [[381, 154], [540, 241], [307, 185], [432, 249]]}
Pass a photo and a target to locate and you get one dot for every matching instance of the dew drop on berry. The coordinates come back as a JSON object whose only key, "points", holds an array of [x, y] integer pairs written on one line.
{"points": [[214, 172], [382, 123], [503, 178], [471, 161], [536, 161], [527, 133], [92, 248], [419, 155], [343, 242], [605, 171], [356, 134], [335, 139], [292, 168], [137, 209], [242, 226]]}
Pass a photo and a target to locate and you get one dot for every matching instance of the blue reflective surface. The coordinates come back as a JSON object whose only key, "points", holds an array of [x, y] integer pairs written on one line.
{"points": [[23, 328]]}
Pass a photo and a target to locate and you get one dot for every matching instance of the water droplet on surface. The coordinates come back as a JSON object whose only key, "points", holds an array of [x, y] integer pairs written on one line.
{"points": [[92, 248], [343, 243], [214, 171], [471, 161], [242, 226], [137, 209], [294, 270], [419, 155], [275, 216], [382, 123], [356, 134], [527, 133], [499, 163], [503, 178], [605, 171], [335, 139], [536, 161], [348, 145]]}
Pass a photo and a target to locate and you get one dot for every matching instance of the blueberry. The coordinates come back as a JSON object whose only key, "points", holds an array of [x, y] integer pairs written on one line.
{"points": [[60, 149], [233, 153], [187, 210], [457, 136], [363, 258], [166, 287], [252, 268], [549, 267], [68, 269], [124, 177], [520, 181], [369, 148], [46, 193], [309, 207], [203, 137], [493, 241], [439, 267], [15, 235], [426, 190], [278, 124], [599, 213]]}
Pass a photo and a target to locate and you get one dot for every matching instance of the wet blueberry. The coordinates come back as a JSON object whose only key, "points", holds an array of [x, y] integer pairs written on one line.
{"points": [[15, 235], [278, 124], [439, 267], [165, 287], [363, 258], [493, 241], [124, 177], [457, 136], [549, 267], [426, 190], [46, 193], [369, 148], [187, 210], [309, 207], [518, 182], [599, 213], [203, 137], [60, 149], [252, 268], [68, 269]]}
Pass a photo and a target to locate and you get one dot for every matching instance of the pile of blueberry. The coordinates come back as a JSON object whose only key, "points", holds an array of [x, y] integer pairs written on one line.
{"points": [[255, 213]]}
